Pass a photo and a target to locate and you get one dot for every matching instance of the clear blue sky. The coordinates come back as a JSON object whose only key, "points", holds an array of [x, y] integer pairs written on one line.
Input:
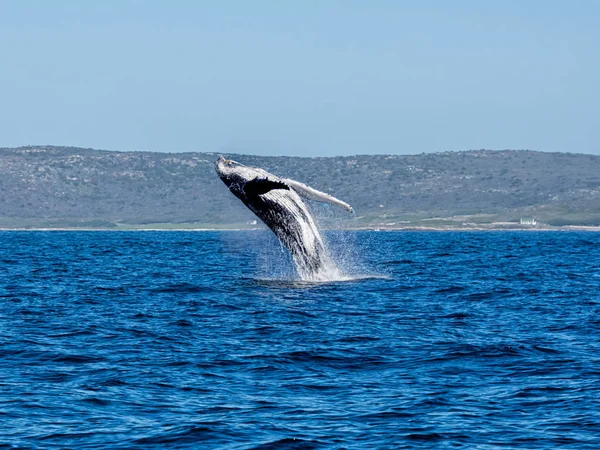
{"points": [[302, 77]]}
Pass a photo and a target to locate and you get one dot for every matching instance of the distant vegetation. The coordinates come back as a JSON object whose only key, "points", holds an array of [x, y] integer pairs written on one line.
{"points": [[65, 186]]}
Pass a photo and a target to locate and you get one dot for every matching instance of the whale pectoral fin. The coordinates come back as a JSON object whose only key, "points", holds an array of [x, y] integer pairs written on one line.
{"points": [[318, 196], [260, 186]]}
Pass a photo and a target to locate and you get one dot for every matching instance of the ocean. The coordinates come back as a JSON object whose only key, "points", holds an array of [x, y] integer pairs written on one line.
{"points": [[144, 339]]}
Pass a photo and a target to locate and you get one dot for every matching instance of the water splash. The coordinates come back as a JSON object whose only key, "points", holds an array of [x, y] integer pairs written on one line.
{"points": [[341, 261], [328, 271]]}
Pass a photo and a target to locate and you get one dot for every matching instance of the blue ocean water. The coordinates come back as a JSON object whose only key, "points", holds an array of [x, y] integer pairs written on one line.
{"points": [[204, 340]]}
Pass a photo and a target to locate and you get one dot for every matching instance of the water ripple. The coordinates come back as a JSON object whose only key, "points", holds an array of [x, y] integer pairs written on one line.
{"points": [[206, 340]]}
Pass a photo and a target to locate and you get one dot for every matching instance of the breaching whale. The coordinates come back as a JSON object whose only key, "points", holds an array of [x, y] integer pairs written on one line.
{"points": [[278, 203]]}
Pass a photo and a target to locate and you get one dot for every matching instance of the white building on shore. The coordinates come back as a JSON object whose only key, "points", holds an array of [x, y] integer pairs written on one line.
{"points": [[528, 221]]}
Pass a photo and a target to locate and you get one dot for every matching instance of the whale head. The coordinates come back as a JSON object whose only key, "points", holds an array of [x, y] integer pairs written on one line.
{"points": [[235, 175]]}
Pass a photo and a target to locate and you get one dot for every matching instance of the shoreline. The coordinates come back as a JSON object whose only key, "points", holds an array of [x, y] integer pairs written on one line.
{"points": [[366, 228]]}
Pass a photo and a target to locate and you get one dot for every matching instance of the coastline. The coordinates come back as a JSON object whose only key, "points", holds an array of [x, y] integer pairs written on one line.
{"points": [[490, 228]]}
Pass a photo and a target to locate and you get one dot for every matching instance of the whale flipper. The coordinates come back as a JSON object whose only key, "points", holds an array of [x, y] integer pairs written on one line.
{"points": [[312, 194], [260, 186]]}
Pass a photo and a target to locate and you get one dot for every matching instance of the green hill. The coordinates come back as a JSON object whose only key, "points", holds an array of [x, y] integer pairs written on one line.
{"points": [[66, 186]]}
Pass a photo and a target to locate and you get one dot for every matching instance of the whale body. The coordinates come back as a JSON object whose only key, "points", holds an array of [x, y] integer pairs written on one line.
{"points": [[278, 203]]}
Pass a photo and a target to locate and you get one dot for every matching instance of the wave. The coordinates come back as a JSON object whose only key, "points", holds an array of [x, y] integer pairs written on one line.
{"points": [[182, 288]]}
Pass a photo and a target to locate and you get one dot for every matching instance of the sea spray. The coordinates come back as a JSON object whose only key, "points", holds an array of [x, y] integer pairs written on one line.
{"points": [[342, 260], [329, 269]]}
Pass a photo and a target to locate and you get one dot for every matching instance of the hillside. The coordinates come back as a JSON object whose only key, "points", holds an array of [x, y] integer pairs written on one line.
{"points": [[65, 186]]}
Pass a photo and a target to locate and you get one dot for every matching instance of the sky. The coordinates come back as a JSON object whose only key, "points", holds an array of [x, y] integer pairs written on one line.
{"points": [[303, 78]]}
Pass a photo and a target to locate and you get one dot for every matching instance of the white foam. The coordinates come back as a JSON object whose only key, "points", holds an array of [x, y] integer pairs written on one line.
{"points": [[327, 273]]}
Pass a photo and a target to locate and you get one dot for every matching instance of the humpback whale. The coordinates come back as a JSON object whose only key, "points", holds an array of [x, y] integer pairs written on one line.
{"points": [[277, 202]]}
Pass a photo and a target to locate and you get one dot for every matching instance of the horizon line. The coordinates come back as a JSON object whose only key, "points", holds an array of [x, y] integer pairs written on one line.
{"points": [[28, 146]]}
